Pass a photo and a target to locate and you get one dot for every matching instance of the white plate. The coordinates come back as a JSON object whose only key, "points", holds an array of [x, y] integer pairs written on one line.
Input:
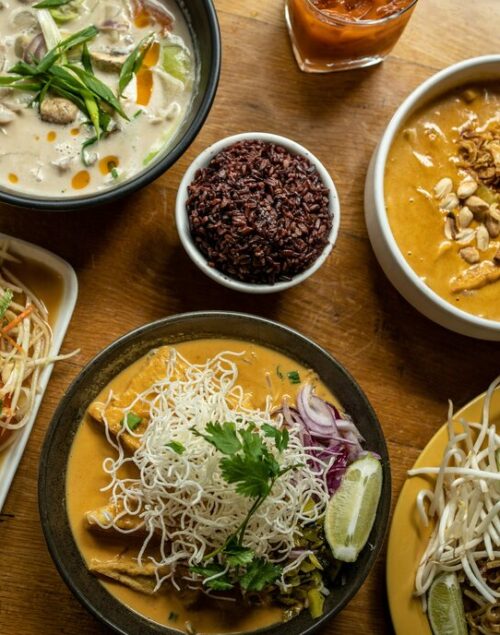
{"points": [[10, 457]]}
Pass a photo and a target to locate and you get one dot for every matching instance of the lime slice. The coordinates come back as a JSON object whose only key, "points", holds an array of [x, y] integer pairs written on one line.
{"points": [[351, 511], [445, 607]]}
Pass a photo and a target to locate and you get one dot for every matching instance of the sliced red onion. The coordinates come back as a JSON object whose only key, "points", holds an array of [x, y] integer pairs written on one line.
{"points": [[316, 414], [36, 49], [113, 25]]}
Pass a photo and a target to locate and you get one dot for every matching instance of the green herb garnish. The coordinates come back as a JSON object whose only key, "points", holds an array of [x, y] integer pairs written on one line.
{"points": [[131, 420], [50, 4], [173, 617], [74, 82], [5, 301], [248, 464], [279, 373], [177, 447], [134, 62], [293, 377]]}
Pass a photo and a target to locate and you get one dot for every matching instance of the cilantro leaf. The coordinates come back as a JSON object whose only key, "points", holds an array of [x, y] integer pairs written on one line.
{"points": [[5, 301], [177, 447], [222, 436], [131, 420], [281, 437], [236, 555], [221, 583], [259, 575], [250, 475], [252, 445]]}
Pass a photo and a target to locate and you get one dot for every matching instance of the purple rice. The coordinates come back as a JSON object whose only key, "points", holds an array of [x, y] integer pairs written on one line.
{"points": [[259, 213]]}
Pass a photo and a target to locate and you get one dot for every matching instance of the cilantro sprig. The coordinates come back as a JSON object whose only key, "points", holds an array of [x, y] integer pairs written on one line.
{"points": [[249, 464]]}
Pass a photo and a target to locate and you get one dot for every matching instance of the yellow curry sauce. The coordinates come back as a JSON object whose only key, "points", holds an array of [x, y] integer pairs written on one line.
{"points": [[259, 376], [424, 152]]}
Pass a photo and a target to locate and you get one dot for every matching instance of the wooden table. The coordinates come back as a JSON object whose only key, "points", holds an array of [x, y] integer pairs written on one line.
{"points": [[132, 270]]}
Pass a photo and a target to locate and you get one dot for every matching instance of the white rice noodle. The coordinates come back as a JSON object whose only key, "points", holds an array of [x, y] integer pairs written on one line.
{"points": [[183, 499]]}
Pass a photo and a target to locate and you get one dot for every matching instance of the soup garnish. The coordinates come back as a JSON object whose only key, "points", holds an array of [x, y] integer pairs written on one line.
{"points": [[461, 563], [223, 498], [109, 87], [25, 347]]}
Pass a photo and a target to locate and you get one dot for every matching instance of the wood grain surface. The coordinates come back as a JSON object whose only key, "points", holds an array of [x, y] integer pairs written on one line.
{"points": [[132, 270]]}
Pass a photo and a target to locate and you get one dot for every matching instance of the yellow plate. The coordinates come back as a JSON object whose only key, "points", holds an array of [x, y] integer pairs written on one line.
{"points": [[408, 537]]}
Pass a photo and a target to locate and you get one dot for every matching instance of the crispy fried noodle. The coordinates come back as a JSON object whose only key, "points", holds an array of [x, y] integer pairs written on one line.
{"points": [[181, 497]]}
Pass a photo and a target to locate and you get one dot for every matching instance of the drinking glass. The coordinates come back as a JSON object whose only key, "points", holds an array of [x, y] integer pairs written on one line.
{"points": [[337, 35]]}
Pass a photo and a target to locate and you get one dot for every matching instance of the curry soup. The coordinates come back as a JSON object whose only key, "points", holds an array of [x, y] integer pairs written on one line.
{"points": [[261, 372], [444, 160]]}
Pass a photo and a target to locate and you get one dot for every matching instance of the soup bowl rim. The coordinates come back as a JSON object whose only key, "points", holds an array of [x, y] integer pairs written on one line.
{"points": [[49, 508], [156, 168], [381, 236]]}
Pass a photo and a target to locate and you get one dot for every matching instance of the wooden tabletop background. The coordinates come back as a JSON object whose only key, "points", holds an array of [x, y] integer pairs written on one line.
{"points": [[132, 269]]}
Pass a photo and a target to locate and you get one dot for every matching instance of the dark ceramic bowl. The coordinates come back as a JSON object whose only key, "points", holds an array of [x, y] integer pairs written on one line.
{"points": [[100, 371], [202, 20]]}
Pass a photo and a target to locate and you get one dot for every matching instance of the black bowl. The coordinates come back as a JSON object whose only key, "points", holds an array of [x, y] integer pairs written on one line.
{"points": [[202, 20], [101, 370]]}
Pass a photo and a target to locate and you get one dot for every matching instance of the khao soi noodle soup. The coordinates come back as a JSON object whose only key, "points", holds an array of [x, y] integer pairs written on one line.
{"points": [[91, 91], [199, 480]]}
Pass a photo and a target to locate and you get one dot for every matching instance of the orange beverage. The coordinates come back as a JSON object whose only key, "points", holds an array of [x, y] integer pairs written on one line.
{"points": [[334, 35]]}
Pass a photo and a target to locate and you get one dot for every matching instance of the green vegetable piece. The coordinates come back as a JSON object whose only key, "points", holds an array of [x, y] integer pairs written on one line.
{"points": [[293, 377], [132, 421], [134, 62], [49, 4], [221, 583], [5, 301], [316, 602], [177, 447], [176, 61], [279, 373], [98, 88], [281, 437], [86, 59], [236, 555], [222, 436], [58, 51], [259, 575]]}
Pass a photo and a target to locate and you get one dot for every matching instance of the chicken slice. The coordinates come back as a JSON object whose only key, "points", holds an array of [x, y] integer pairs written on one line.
{"points": [[475, 277]]}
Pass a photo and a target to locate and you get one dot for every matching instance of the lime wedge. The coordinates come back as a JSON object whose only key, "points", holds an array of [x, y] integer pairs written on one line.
{"points": [[445, 607], [351, 511]]}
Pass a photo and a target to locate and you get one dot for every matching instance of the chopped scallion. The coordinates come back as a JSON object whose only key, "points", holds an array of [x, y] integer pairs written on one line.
{"points": [[132, 420], [293, 377]]}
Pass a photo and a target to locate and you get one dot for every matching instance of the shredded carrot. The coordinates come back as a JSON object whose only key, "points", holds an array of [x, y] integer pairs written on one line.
{"points": [[17, 319], [12, 342]]}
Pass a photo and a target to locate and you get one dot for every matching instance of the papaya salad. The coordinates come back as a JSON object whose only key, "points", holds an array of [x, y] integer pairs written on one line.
{"points": [[25, 347], [458, 577], [217, 486]]}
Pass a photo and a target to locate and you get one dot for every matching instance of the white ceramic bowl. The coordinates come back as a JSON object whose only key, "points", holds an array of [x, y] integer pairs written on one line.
{"points": [[387, 251], [199, 259]]}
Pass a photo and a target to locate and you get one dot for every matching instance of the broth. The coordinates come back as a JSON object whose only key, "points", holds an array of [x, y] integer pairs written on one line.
{"points": [[85, 477], [47, 147], [422, 154]]}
